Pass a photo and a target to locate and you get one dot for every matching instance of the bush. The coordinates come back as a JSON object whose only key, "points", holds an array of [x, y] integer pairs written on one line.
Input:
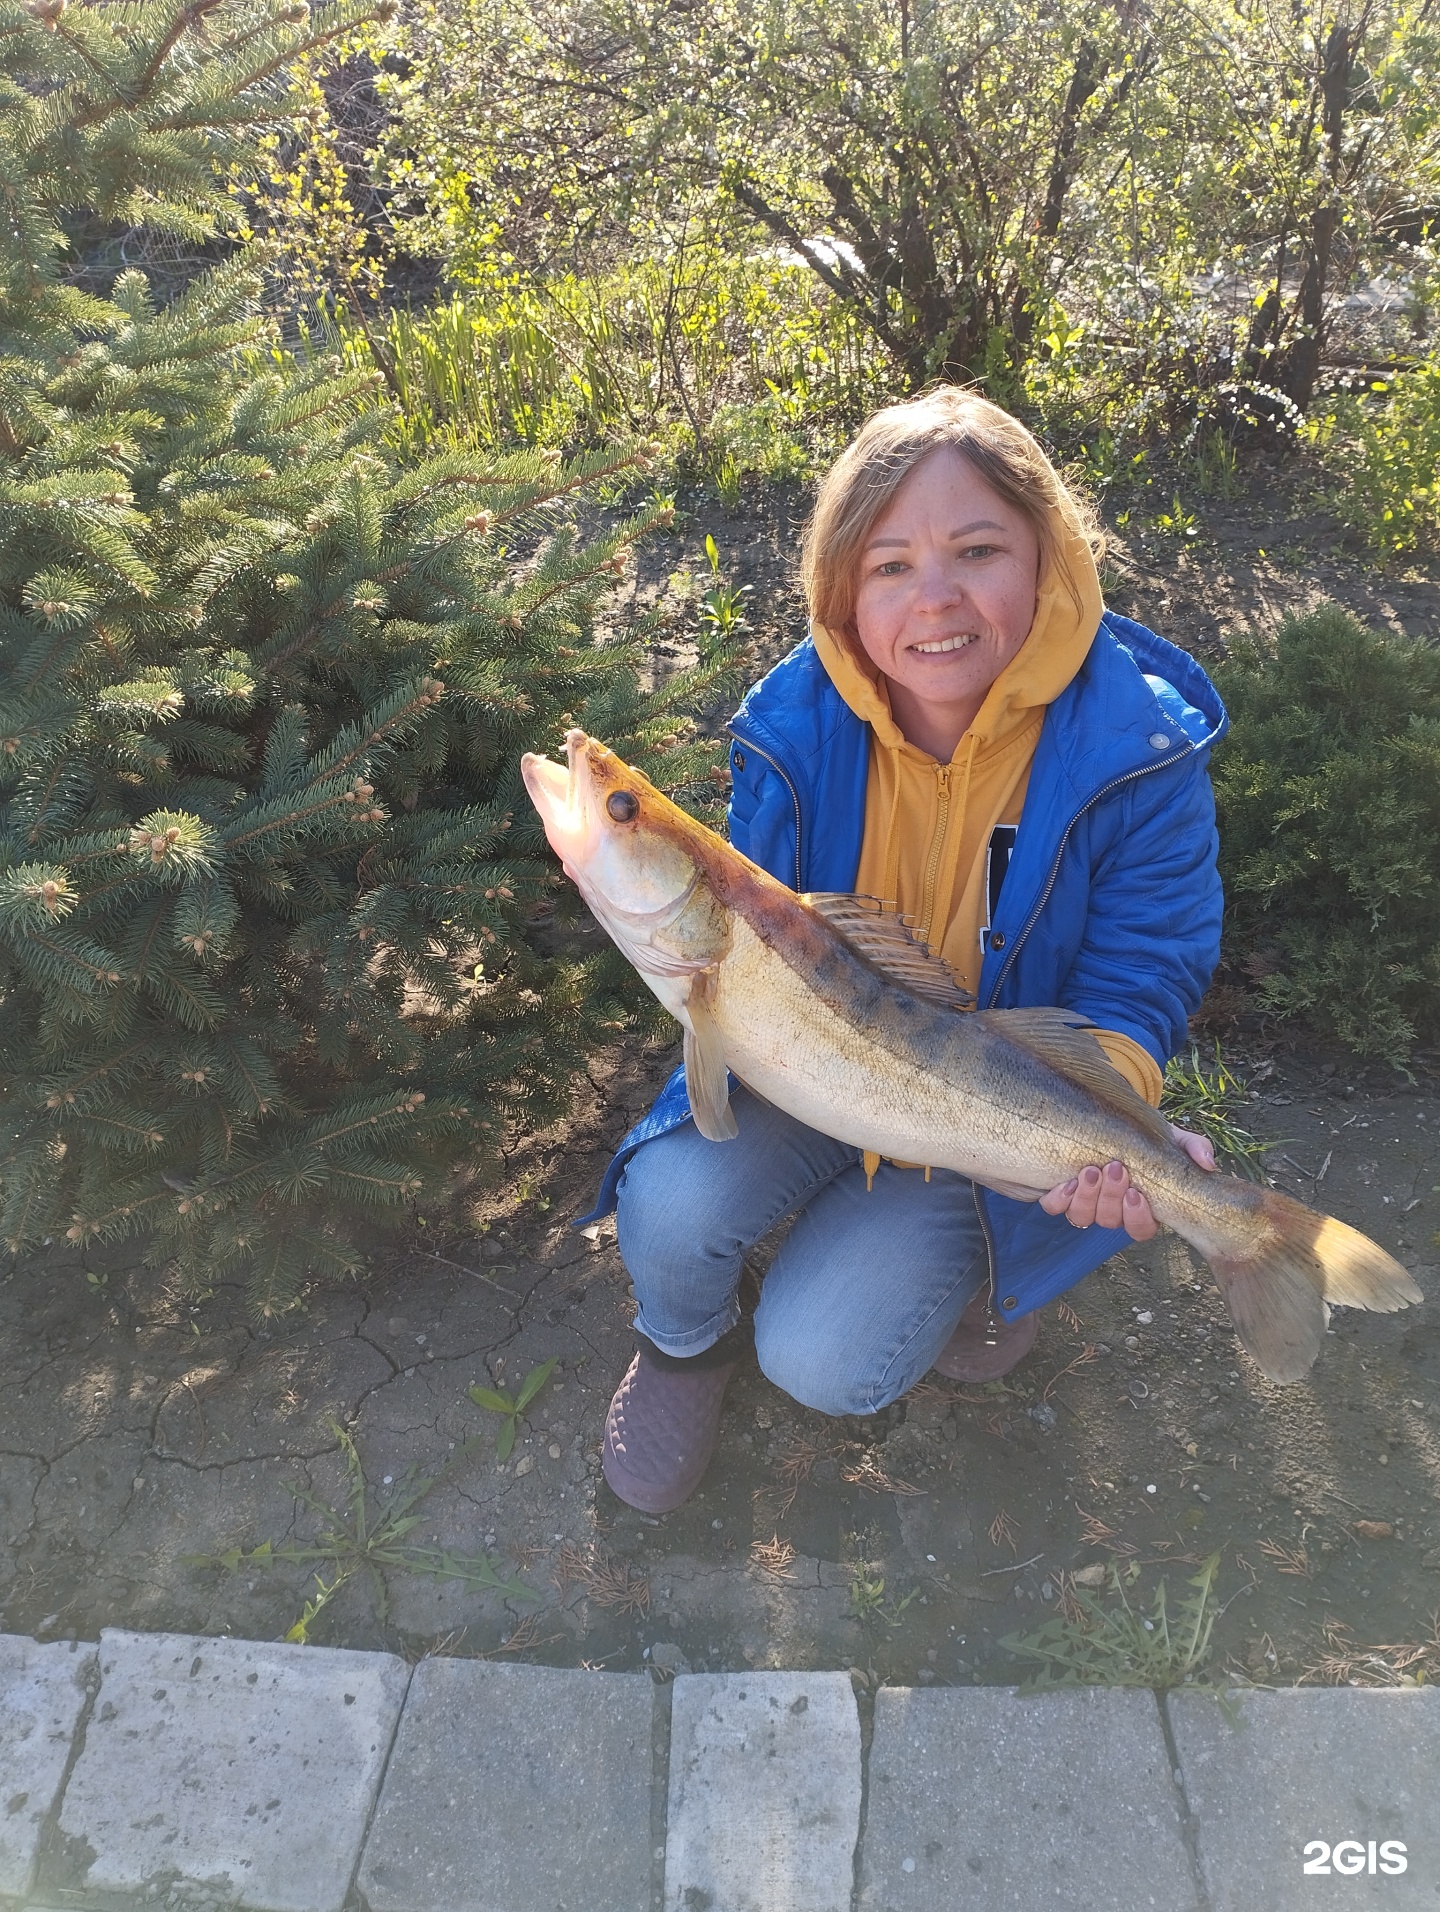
{"points": [[1385, 448], [271, 955], [1328, 791]]}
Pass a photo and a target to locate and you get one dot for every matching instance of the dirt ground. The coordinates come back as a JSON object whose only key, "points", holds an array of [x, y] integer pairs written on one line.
{"points": [[166, 1463], [139, 1431]]}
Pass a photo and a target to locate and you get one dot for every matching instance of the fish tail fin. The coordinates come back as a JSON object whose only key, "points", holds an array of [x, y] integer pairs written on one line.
{"points": [[1278, 1277]]}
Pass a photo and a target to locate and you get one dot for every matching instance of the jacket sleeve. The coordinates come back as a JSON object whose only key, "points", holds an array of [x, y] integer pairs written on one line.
{"points": [[1152, 927]]}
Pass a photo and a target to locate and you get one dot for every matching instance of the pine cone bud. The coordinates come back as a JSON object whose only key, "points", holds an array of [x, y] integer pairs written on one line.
{"points": [[478, 521]]}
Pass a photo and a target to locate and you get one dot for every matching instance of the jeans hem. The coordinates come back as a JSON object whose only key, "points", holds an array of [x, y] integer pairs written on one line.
{"points": [[698, 1340]]}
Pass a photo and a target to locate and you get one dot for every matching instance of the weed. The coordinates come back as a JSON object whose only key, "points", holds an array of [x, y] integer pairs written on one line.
{"points": [[1099, 1645], [1211, 1101], [722, 609], [868, 1602], [511, 1406], [1177, 522], [368, 1536]]}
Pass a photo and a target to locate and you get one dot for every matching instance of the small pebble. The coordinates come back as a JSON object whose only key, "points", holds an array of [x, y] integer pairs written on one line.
{"points": [[1132, 1340], [388, 1481], [1151, 1488], [525, 1464], [717, 1525], [1144, 1317], [554, 1450], [907, 1865]]}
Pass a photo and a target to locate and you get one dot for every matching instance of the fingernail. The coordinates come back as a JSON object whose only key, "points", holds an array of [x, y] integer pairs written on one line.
{"points": [[1072, 1185], [1114, 1170], [1090, 1177], [1132, 1198]]}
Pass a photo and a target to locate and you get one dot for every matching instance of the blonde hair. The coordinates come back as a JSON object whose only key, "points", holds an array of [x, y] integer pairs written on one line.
{"points": [[890, 444]]}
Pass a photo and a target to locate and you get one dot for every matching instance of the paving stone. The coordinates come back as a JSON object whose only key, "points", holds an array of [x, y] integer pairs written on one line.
{"points": [[42, 1695], [983, 1798], [245, 1768], [764, 1792], [515, 1789], [1269, 1772]]}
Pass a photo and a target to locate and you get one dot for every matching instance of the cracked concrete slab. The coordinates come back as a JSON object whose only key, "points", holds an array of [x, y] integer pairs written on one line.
{"points": [[514, 1787], [43, 1692], [227, 1766], [764, 1809], [1272, 1777], [988, 1798]]}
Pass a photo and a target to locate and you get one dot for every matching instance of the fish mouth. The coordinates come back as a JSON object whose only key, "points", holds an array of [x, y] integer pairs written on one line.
{"points": [[567, 798], [553, 787]]}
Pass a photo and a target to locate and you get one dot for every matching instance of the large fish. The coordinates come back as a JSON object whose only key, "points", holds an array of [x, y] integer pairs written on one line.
{"points": [[828, 1007]]}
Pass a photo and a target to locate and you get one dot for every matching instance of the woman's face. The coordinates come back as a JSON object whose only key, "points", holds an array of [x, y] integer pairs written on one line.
{"points": [[948, 580]]}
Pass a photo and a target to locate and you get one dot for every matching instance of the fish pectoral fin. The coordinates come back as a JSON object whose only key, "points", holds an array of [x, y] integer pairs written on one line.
{"points": [[706, 1076], [1066, 1042], [888, 943]]}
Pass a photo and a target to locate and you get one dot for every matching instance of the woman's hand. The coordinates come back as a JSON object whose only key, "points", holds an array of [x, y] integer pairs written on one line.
{"points": [[1106, 1196]]}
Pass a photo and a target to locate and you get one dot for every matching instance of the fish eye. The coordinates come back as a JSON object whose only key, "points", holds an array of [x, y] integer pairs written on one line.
{"points": [[623, 806]]}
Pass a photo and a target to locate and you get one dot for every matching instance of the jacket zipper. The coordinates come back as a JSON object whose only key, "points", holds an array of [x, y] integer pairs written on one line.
{"points": [[749, 743], [937, 844], [992, 1318]]}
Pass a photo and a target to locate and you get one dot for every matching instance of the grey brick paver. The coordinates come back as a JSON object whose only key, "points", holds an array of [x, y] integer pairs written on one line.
{"points": [[1270, 1771], [233, 1764], [515, 1789], [42, 1695], [981, 1798], [764, 1793]]}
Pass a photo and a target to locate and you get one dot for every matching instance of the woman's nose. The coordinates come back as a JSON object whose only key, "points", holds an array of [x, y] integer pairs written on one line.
{"points": [[937, 585]]}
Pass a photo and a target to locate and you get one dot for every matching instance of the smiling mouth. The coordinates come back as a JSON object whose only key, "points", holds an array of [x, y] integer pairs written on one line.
{"points": [[944, 644]]}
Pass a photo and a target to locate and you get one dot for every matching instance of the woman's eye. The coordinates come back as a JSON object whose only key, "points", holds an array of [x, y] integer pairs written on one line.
{"points": [[979, 551], [891, 568]]}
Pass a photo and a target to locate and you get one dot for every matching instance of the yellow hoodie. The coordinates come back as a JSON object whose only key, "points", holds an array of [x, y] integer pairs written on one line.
{"points": [[928, 825]]}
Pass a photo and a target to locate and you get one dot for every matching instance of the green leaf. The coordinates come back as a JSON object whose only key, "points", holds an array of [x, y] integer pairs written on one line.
{"points": [[493, 1399], [505, 1439], [533, 1382]]}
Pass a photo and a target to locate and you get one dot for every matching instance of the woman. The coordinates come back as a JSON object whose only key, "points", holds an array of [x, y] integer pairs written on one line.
{"points": [[970, 737]]}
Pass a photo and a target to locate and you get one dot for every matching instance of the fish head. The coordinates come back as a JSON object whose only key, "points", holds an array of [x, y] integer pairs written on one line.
{"points": [[642, 865]]}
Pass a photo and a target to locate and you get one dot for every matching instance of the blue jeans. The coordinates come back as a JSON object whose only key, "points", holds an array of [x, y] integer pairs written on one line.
{"points": [[866, 1288]]}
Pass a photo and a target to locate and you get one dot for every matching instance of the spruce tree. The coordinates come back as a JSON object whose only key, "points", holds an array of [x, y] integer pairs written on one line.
{"points": [[269, 888]]}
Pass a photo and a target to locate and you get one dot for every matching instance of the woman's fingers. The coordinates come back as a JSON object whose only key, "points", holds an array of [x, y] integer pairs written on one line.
{"points": [[1199, 1148], [1139, 1220], [1110, 1196], [1104, 1197]]}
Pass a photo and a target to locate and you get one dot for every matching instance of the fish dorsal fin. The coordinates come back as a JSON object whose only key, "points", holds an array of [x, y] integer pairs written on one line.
{"points": [[888, 942], [1066, 1041]]}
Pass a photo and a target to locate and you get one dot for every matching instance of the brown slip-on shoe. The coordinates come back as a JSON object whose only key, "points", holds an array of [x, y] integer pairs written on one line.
{"points": [[661, 1431], [969, 1356]]}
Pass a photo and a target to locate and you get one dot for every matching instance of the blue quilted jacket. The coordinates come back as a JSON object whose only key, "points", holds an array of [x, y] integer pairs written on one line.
{"points": [[1111, 900]]}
